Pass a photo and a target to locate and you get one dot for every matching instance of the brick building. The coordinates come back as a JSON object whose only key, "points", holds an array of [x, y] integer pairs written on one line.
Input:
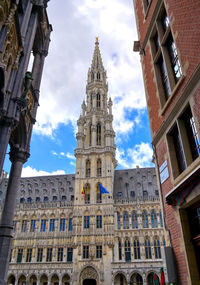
{"points": [[169, 40]]}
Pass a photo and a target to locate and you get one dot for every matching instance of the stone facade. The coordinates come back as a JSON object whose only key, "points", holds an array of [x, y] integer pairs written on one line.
{"points": [[67, 232], [169, 33]]}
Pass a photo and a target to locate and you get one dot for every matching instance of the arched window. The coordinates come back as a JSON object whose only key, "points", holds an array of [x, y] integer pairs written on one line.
{"points": [[99, 167], [70, 224], [136, 279], [136, 246], [126, 220], [118, 221], [154, 219], [29, 200], [134, 220], [99, 196], [98, 100], [157, 248], [98, 76], [147, 248], [87, 168], [120, 250], [152, 279], [92, 75], [98, 134], [90, 135], [161, 220], [87, 194], [127, 250], [145, 220]]}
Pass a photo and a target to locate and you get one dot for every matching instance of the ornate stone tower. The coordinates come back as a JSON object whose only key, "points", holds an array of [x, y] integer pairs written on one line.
{"points": [[95, 163]]}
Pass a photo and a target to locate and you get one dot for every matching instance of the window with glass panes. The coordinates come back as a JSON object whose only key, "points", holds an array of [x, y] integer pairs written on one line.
{"points": [[127, 248], [86, 222], [118, 221], [99, 222], [62, 225], [43, 225], [24, 226], [157, 248], [29, 255], [39, 254], [99, 251], [145, 220], [86, 251], [70, 225], [14, 225], [120, 249], [60, 254], [165, 56], [136, 246], [19, 255], [69, 254], [147, 248], [32, 227], [52, 225], [154, 221], [126, 220], [49, 254], [183, 142], [134, 220]]}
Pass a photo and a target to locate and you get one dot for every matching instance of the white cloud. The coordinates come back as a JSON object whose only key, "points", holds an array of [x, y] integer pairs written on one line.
{"points": [[75, 26], [140, 154], [29, 172], [68, 155]]}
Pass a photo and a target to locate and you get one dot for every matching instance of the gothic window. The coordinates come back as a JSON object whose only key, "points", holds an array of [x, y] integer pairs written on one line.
{"points": [[99, 167], [132, 194], [126, 220], [29, 255], [70, 225], [49, 255], [29, 200], [60, 254], [32, 228], [127, 250], [69, 254], [39, 254], [22, 200], [98, 76], [86, 222], [157, 248], [147, 248], [99, 196], [134, 220], [98, 100], [62, 225], [98, 134], [99, 251], [19, 255], [118, 221], [136, 246], [46, 199], [88, 165], [52, 225], [154, 221], [92, 75], [99, 222], [120, 250], [90, 135], [63, 198], [24, 226], [87, 194], [145, 222], [86, 251], [43, 225]]}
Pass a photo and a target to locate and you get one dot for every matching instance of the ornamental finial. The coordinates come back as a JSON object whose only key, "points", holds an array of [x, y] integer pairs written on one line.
{"points": [[97, 40]]}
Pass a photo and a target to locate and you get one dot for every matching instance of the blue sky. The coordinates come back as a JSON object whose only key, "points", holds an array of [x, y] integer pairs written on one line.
{"points": [[75, 27]]}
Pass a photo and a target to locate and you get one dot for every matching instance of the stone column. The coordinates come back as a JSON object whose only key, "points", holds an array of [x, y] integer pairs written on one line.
{"points": [[5, 129], [17, 157]]}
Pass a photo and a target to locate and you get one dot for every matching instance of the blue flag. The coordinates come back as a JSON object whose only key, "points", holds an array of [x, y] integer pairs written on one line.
{"points": [[102, 189]]}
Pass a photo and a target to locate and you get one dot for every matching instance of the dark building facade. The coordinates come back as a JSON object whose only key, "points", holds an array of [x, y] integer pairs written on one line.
{"points": [[169, 40], [24, 30]]}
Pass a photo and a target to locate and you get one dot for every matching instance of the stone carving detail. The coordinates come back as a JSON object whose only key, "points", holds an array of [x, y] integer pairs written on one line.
{"points": [[88, 273]]}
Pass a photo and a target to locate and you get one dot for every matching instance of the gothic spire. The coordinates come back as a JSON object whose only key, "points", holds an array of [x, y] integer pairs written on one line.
{"points": [[97, 63]]}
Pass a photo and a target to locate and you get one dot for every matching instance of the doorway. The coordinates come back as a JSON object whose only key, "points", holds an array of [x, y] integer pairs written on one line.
{"points": [[89, 282]]}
